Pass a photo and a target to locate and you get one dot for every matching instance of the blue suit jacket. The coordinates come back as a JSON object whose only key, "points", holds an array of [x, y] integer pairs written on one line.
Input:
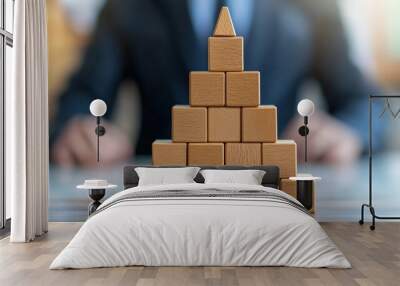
{"points": [[153, 43]]}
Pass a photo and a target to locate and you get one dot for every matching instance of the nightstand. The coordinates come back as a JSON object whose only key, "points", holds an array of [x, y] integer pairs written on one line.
{"points": [[97, 190], [305, 189]]}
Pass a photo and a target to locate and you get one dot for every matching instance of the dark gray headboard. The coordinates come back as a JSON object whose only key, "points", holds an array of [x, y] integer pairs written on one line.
{"points": [[271, 177]]}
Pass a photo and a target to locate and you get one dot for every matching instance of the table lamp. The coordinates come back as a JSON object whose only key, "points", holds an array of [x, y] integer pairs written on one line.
{"points": [[305, 182], [305, 108], [98, 108]]}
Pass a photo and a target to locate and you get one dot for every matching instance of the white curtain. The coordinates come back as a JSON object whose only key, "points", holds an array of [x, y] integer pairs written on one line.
{"points": [[27, 124]]}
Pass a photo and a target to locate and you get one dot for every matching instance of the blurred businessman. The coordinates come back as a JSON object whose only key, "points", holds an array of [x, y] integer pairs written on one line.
{"points": [[157, 43]]}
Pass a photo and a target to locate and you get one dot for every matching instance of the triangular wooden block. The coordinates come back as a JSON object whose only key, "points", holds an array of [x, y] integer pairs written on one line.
{"points": [[224, 26]]}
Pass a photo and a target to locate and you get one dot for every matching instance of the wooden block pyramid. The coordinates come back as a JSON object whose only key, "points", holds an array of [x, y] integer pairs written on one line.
{"points": [[225, 123]]}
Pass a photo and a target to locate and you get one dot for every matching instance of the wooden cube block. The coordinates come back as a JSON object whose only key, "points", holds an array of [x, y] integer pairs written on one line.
{"points": [[225, 53], [203, 154], [290, 188], [189, 124], [167, 153], [223, 124], [243, 88], [259, 124], [282, 153], [245, 154], [207, 89]]}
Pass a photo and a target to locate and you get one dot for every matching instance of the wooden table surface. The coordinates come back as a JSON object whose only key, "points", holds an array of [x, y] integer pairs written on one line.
{"points": [[340, 193]]}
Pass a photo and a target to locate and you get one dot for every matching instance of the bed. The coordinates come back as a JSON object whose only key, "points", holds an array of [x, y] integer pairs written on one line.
{"points": [[199, 224]]}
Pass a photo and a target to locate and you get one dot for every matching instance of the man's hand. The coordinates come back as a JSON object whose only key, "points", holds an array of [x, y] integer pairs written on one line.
{"points": [[77, 144], [329, 141]]}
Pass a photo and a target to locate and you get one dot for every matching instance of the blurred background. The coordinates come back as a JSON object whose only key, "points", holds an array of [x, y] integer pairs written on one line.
{"points": [[347, 49], [371, 28]]}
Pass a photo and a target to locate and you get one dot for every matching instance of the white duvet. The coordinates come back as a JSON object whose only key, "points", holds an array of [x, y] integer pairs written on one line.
{"points": [[200, 231]]}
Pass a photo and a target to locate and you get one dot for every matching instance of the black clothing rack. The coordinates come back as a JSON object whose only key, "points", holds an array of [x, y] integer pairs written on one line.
{"points": [[370, 203]]}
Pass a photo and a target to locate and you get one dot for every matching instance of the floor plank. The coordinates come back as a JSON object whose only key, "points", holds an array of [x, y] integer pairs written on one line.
{"points": [[375, 257]]}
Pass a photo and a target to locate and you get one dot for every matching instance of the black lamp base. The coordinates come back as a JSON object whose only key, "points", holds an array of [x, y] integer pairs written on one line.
{"points": [[96, 195]]}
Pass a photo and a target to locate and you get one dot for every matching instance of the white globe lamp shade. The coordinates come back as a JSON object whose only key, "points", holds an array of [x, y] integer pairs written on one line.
{"points": [[305, 107], [98, 107]]}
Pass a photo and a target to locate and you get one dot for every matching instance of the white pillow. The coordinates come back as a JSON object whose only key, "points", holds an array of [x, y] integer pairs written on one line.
{"points": [[165, 176], [248, 177]]}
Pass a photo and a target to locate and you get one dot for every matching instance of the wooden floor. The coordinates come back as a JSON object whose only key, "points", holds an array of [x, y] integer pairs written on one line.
{"points": [[375, 257]]}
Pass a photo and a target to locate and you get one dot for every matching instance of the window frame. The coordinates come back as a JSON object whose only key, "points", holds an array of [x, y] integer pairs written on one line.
{"points": [[6, 39]]}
